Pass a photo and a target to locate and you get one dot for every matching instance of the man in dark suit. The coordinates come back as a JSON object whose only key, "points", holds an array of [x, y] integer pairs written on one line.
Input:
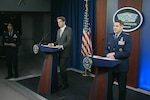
{"points": [[63, 41], [11, 40], [118, 46]]}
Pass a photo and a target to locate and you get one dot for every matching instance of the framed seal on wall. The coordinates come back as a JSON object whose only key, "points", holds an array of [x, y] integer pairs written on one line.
{"points": [[131, 17]]}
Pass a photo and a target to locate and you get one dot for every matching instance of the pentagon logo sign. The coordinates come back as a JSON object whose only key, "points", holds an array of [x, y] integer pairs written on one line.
{"points": [[131, 17]]}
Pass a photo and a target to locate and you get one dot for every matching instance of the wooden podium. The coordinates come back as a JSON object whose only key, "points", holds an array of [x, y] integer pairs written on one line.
{"points": [[49, 79], [99, 86]]}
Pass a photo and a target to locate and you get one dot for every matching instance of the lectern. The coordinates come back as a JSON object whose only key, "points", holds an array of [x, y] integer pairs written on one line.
{"points": [[99, 86], [49, 79]]}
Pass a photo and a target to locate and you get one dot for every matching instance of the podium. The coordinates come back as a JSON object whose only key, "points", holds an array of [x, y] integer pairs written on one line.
{"points": [[99, 85], [49, 79]]}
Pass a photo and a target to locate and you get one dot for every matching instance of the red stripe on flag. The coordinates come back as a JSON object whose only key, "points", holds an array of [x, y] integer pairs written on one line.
{"points": [[86, 44], [88, 39], [90, 43]]}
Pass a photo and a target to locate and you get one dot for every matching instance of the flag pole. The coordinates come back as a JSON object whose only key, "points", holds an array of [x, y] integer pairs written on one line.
{"points": [[86, 44], [85, 73]]}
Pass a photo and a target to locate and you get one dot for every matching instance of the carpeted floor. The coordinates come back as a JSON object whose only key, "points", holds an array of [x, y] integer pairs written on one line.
{"points": [[79, 89]]}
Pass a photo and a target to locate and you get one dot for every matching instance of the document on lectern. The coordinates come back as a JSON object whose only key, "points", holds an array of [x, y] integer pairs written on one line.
{"points": [[49, 46], [104, 58], [44, 45]]}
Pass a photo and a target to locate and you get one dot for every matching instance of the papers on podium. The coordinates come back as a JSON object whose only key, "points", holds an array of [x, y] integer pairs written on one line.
{"points": [[49, 49], [104, 61], [104, 58], [49, 46]]}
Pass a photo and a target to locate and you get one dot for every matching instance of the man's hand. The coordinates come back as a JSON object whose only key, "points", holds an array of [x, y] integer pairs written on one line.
{"points": [[10, 44], [51, 44], [6, 44], [111, 55], [59, 46]]}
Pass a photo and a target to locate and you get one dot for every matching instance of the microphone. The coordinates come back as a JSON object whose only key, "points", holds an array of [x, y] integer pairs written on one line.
{"points": [[36, 47], [93, 52], [43, 38]]}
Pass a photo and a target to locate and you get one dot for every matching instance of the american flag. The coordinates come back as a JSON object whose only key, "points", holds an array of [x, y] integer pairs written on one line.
{"points": [[86, 48], [86, 43]]}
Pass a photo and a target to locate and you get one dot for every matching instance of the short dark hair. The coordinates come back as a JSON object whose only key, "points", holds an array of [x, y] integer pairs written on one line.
{"points": [[62, 18], [9, 23], [120, 22]]}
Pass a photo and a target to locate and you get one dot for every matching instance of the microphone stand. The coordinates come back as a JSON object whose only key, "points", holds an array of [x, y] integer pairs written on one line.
{"points": [[36, 47], [43, 39]]}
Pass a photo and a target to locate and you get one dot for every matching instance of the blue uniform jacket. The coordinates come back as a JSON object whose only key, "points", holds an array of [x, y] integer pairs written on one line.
{"points": [[122, 47], [15, 38]]}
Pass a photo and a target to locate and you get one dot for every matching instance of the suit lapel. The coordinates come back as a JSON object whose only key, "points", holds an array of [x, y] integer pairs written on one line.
{"points": [[120, 36], [118, 39], [62, 34], [113, 40], [7, 33], [12, 33], [58, 35]]}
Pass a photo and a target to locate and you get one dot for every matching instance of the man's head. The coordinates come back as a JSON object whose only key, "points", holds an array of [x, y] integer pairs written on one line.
{"points": [[61, 21], [10, 27], [118, 26]]}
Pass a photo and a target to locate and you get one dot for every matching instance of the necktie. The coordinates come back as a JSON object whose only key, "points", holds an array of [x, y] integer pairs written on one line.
{"points": [[10, 33], [61, 32], [116, 36]]}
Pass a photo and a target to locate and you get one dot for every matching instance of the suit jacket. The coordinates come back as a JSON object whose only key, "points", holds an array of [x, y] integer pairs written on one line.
{"points": [[65, 40], [122, 47], [14, 38]]}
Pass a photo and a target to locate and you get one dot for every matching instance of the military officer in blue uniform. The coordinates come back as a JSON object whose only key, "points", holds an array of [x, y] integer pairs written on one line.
{"points": [[118, 46], [11, 41]]}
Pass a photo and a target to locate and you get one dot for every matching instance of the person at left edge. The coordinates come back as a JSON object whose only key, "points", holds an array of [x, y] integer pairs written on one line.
{"points": [[11, 41]]}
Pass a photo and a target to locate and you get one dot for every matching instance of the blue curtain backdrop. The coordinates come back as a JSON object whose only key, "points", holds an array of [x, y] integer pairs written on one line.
{"points": [[73, 10]]}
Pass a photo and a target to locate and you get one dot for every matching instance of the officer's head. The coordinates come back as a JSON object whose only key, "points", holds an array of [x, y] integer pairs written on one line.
{"points": [[61, 21], [10, 27], [118, 26]]}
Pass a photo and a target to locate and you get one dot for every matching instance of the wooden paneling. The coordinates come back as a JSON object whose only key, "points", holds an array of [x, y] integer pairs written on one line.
{"points": [[100, 26], [134, 58], [101, 6]]}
